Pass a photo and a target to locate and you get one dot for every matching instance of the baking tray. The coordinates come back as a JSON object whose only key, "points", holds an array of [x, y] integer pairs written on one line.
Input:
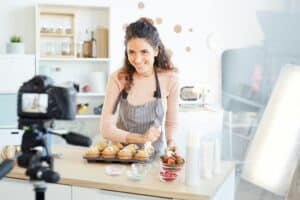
{"points": [[118, 160]]}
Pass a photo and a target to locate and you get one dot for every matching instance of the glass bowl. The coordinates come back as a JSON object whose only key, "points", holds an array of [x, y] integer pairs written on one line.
{"points": [[174, 167], [138, 171], [169, 173]]}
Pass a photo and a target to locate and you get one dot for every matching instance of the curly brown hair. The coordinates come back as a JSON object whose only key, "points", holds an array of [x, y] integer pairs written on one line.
{"points": [[144, 28]]}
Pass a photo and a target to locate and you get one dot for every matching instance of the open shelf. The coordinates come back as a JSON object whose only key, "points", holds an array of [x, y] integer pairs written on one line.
{"points": [[73, 59], [87, 116], [91, 94], [56, 35]]}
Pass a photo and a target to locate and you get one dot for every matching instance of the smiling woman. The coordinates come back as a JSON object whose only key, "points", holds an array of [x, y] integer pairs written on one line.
{"points": [[144, 88], [141, 56]]}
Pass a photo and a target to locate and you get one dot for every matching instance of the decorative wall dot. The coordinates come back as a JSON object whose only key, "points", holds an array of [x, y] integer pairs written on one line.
{"points": [[177, 28], [169, 52], [158, 20], [141, 5], [191, 30], [188, 49]]}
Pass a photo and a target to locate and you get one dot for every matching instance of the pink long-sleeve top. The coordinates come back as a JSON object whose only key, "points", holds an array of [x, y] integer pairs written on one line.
{"points": [[140, 93]]}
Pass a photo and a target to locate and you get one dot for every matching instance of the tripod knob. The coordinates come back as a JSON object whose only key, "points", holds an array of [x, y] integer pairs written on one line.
{"points": [[50, 176], [43, 173]]}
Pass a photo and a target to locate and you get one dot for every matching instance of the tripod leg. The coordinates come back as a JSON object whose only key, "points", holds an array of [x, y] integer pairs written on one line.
{"points": [[39, 193]]}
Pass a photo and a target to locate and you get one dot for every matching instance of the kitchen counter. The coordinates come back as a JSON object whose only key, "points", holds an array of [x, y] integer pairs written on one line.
{"points": [[75, 171]]}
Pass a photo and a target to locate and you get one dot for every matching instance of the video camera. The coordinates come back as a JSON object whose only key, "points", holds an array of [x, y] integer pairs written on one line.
{"points": [[39, 100], [39, 103]]}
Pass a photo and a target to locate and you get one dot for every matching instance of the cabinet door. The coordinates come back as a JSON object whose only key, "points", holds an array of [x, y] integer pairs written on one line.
{"points": [[14, 70], [7, 138], [8, 107], [80, 193], [14, 189]]}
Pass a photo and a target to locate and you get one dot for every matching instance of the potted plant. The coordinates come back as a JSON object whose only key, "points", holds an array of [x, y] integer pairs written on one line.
{"points": [[15, 46]]}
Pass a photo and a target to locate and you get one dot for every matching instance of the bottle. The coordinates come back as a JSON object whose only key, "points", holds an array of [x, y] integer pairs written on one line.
{"points": [[86, 47], [93, 46], [207, 161], [217, 156], [192, 164]]}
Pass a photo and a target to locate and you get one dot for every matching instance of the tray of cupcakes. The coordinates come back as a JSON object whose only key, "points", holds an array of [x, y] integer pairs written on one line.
{"points": [[115, 152]]}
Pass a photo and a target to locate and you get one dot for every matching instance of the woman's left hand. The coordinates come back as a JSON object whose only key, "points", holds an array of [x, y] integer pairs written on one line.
{"points": [[171, 146]]}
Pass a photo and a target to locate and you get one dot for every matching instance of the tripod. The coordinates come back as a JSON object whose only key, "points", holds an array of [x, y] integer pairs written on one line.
{"points": [[36, 158], [39, 189]]}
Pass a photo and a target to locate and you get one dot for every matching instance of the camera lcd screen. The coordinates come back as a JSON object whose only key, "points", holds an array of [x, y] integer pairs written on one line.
{"points": [[34, 103]]}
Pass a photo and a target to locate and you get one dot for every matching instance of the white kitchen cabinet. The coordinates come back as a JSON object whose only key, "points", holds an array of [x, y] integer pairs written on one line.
{"points": [[10, 137], [14, 70], [14, 189], [81, 193]]}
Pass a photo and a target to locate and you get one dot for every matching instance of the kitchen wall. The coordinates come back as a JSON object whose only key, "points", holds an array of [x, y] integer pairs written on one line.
{"points": [[204, 29]]}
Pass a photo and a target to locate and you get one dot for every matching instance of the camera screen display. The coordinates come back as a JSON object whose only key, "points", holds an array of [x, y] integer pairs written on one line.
{"points": [[34, 103]]}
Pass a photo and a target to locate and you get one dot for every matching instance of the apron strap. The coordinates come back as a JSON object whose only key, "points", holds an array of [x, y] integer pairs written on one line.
{"points": [[122, 94], [157, 92]]}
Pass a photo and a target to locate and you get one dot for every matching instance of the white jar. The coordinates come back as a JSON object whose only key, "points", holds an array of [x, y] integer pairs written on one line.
{"points": [[192, 164]]}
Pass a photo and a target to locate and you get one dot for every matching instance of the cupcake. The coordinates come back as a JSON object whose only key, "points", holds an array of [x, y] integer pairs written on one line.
{"points": [[92, 152], [117, 146], [101, 145], [141, 155], [109, 152], [125, 154], [132, 148]]}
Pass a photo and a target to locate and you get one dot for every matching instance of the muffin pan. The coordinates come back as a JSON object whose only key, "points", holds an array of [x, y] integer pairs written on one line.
{"points": [[118, 160]]}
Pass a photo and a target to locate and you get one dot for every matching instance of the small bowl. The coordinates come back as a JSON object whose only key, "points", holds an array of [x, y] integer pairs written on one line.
{"points": [[138, 171], [133, 176], [114, 170], [140, 168]]}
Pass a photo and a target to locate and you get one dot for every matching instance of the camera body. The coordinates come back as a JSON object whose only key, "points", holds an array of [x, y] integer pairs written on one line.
{"points": [[39, 99]]}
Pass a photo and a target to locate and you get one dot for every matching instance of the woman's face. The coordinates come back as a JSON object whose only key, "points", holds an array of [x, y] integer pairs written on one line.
{"points": [[141, 55]]}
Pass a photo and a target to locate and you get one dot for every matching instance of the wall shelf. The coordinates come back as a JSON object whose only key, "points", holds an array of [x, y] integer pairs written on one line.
{"points": [[56, 35], [88, 116], [73, 59], [90, 94]]}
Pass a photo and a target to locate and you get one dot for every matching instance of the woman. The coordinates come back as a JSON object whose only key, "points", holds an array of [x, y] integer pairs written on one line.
{"points": [[145, 89]]}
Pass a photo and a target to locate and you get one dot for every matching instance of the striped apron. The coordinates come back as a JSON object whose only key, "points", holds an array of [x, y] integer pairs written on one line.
{"points": [[138, 119]]}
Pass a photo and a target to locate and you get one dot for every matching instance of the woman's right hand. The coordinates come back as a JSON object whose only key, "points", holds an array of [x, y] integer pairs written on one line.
{"points": [[152, 134]]}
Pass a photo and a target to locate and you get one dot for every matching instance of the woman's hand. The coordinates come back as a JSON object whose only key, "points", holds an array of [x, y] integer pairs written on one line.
{"points": [[171, 146], [153, 133]]}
